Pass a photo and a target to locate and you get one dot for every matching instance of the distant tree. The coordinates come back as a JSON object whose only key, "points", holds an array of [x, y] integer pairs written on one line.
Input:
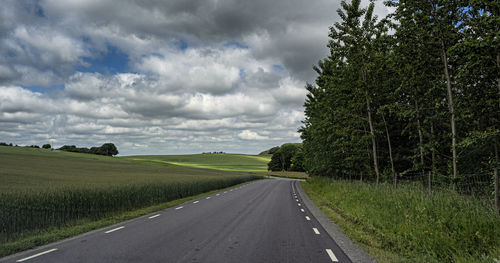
{"points": [[108, 149], [282, 159], [273, 150], [3, 144], [68, 148], [274, 164], [270, 151], [298, 161], [46, 146]]}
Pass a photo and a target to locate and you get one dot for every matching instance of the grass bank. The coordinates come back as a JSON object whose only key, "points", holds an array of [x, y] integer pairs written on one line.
{"points": [[408, 224]]}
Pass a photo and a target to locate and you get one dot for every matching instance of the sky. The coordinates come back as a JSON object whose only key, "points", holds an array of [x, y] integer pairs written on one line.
{"points": [[160, 77]]}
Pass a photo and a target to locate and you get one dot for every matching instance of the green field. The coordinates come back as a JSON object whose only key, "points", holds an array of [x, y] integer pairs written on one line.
{"points": [[44, 191], [408, 224], [222, 161]]}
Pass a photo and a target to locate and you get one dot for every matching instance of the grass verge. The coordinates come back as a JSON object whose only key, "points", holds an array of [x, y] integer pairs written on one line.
{"points": [[34, 239], [409, 225]]}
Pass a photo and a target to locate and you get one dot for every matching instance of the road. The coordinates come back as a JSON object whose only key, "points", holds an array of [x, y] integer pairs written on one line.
{"points": [[264, 221]]}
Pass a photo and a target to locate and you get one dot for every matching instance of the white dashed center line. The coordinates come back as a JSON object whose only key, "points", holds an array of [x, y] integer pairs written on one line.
{"points": [[297, 200], [298, 204], [114, 229], [302, 210], [332, 256], [308, 219], [225, 192], [195, 202], [151, 217], [37, 255], [316, 231], [208, 197], [217, 194], [180, 207]]}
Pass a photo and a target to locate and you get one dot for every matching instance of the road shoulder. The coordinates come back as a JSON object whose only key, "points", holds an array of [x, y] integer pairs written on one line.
{"points": [[353, 251]]}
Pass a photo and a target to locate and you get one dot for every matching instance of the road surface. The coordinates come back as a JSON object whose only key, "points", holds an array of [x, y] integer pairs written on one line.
{"points": [[264, 221]]}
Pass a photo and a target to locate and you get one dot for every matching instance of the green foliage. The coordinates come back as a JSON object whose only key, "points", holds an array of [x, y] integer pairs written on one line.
{"points": [[376, 89], [275, 163], [107, 149], [46, 146], [443, 227], [270, 151], [282, 159]]}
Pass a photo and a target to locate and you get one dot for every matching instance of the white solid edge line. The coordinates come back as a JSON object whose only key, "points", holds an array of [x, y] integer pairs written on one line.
{"points": [[36, 255], [195, 202], [316, 231], [180, 207], [332, 256], [302, 210], [308, 219], [113, 230], [151, 217]]}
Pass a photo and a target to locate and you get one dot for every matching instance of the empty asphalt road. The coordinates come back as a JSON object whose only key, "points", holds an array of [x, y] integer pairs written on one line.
{"points": [[264, 221]]}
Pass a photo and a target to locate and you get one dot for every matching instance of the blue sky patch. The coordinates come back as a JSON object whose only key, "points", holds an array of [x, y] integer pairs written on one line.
{"points": [[235, 44], [279, 68], [44, 89], [110, 62]]}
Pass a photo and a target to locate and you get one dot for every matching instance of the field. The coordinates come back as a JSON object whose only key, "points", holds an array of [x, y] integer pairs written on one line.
{"points": [[408, 224], [219, 161], [43, 190]]}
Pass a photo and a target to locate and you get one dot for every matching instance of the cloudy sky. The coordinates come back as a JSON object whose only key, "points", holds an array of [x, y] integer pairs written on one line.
{"points": [[159, 77]]}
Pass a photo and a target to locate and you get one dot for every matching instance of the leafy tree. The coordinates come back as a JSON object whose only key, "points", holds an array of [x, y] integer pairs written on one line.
{"points": [[298, 161], [108, 149], [274, 164], [46, 146], [282, 159]]}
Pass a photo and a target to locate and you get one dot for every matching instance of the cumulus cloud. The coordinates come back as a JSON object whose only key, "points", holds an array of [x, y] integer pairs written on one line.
{"points": [[251, 136], [177, 76]]}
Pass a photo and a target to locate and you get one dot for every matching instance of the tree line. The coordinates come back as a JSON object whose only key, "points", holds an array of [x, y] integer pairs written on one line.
{"points": [[108, 149], [416, 92], [287, 157]]}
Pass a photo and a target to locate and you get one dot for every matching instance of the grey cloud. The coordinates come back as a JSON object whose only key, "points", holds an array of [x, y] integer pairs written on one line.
{"points": [[220, 92]]}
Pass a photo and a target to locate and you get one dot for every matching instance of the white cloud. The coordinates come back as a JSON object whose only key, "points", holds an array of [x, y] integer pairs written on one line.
{"points": [[204, 75], [251, 135]]}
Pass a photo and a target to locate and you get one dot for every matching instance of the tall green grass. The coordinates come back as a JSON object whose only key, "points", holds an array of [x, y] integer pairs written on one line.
{"points": [[412, 224], [26, 211]]}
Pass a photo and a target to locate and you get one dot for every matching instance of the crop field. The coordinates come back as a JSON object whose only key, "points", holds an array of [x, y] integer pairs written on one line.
{"points": [[219, 161], [41, 189]]}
